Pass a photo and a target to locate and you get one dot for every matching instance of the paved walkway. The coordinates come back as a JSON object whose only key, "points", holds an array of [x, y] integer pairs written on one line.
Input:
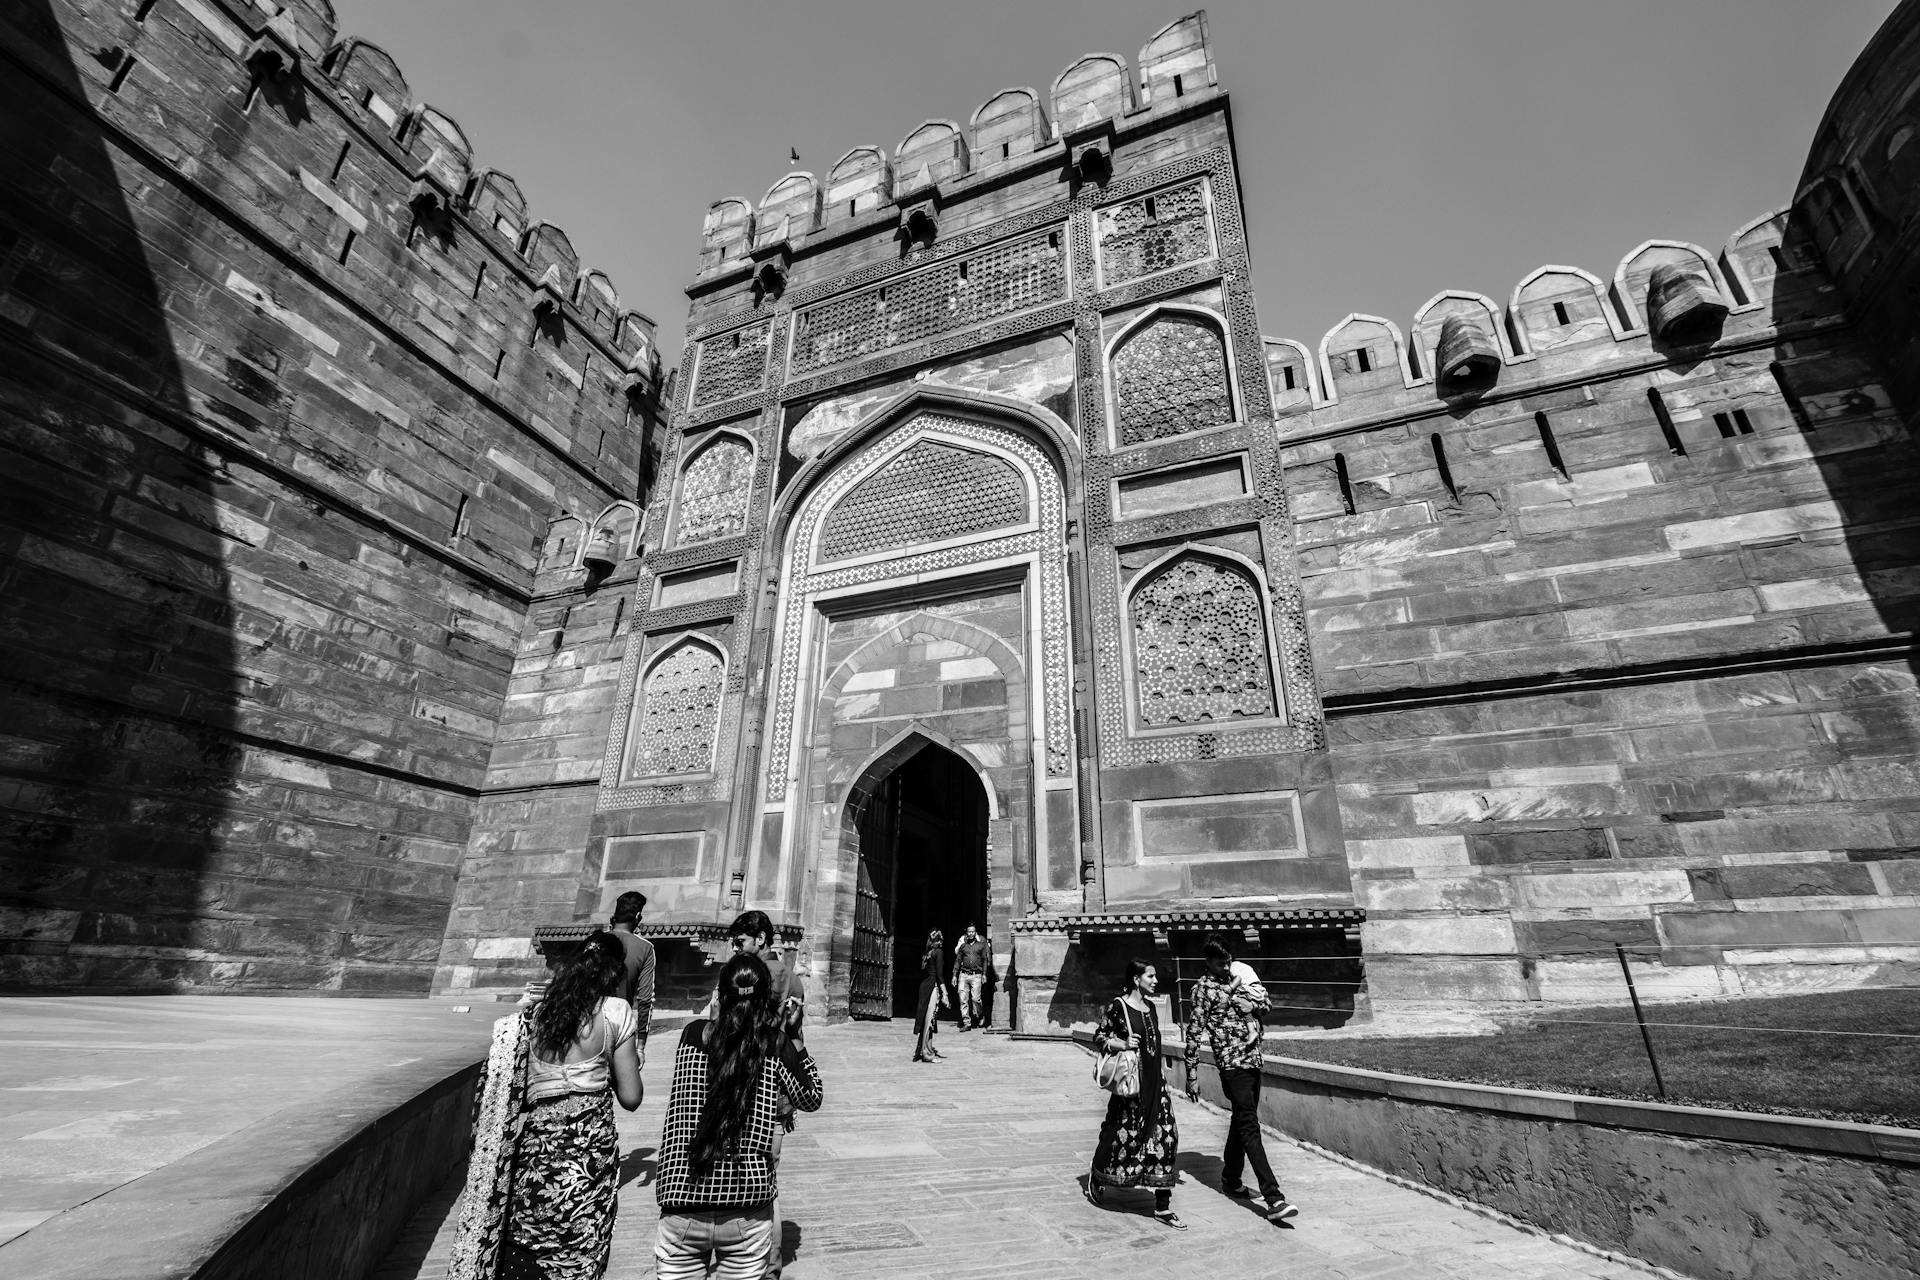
{"points": [[97, 1092], [969, 1168]]}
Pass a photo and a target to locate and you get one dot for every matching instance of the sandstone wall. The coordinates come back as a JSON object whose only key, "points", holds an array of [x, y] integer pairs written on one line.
{"points": [[1616, 649], [291, 395]]}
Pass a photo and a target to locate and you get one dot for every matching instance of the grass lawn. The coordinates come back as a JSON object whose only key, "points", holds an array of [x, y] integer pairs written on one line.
{"points": [[1703, 1058]]}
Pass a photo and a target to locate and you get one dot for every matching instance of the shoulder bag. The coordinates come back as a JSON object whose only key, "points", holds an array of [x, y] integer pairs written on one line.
{"points": [[1118, 1072]]}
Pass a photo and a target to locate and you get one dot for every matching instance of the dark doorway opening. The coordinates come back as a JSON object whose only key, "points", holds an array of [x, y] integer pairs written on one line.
{"points": [[923, 866]]}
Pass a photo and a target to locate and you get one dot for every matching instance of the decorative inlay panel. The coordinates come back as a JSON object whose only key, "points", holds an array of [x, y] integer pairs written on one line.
{"points": [[732, 364], [1200, 645], [1170, 378], [1154, 233], [1016, 275], [1048, 542], [930, 493], [713, 492], [679, 710]]}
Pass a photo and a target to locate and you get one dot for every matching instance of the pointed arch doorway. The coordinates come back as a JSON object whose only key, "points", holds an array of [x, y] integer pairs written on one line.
{"points": [[922, 836]]}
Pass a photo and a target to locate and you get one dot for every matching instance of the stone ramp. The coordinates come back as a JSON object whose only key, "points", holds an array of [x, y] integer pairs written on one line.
{"points": [[970, 1168], [138, 1134]]}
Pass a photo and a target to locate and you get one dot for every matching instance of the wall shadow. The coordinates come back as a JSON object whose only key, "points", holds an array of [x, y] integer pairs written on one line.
{"points": [[117, 665]]}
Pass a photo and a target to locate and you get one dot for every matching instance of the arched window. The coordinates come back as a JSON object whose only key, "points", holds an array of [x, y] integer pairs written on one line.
{"points": [[1169, 378], [677, 712], [714, 490], [1200, 645]]}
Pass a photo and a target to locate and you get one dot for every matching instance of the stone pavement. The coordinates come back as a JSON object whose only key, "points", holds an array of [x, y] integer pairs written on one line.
{"points": [[97, 1092], [970, 1168]]}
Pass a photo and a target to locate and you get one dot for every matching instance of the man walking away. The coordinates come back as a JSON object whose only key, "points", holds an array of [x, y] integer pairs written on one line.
{"points": [[1223, 1015], [636, 987], [970, 956]]}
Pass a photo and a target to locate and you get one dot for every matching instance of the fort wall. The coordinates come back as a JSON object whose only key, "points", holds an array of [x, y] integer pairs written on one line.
{"points": [[292, 392], [1616, 646]]}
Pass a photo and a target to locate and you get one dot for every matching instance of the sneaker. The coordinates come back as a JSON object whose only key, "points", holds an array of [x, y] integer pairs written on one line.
{"points": [[1238, 1191], [1282, 1209]]}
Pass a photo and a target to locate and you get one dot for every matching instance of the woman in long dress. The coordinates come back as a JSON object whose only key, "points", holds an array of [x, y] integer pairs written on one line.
{"points": [[543, 1178], [1139, 1140], [932, 997]]}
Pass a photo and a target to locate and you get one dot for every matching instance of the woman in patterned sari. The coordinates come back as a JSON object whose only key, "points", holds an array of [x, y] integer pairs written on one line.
{"points": [[544, 1174], [1139, 1138]]}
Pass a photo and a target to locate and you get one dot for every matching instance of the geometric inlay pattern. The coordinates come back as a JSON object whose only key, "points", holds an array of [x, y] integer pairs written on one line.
{"points": [[1016, 275], [1156, 232], [732, 364], [679, 708], [1170, 378], [714, 491], [930, 493], [1200, 645]]}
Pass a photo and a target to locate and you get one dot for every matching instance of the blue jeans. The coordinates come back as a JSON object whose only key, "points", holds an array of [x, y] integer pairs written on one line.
{"points": [[739, 1241]]}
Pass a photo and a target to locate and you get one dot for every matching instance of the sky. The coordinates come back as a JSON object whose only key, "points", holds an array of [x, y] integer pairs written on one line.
{"points": [[1388, 149]]}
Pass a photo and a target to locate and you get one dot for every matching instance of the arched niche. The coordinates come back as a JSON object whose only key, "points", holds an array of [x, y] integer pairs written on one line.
{"points": [[675, 719], [369, 78], [1170, 373], [1198, 637], [714, 488], [791, 208], [933, 153], [1289, 374], [726, 232]]}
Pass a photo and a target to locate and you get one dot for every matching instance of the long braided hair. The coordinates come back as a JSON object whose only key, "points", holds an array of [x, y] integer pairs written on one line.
{"points": [[740, 1040], [574, 995]]}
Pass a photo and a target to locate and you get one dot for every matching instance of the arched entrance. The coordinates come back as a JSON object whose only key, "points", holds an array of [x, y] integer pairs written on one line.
{"points": [[922, 832]]}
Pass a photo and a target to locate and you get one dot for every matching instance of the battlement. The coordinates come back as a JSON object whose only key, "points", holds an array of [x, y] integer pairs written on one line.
{"points": [[1664, 294], [1012, 128]]}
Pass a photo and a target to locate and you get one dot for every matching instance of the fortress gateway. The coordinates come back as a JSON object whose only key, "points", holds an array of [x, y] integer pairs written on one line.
{"points": [[982, 562]]}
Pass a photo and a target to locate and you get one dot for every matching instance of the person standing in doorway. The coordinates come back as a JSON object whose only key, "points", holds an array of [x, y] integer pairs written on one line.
{"points": [[1223, 1015], [751, 934], [636, 988], [715, 1182], [932, 998], [1140, 1139], [970, 957]]}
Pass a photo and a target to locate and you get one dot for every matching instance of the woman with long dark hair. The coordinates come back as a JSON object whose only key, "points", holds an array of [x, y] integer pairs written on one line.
{"points": [[543, 1178], [1139, 1140], [714, 1182], [932, 998]]}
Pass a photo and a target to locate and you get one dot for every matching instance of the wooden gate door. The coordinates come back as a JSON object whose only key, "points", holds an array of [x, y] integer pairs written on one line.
{"points": [[871, 980]]}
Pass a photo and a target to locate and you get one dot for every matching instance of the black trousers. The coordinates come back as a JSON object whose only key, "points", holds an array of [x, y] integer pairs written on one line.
{"points": [[1245, 1144]]}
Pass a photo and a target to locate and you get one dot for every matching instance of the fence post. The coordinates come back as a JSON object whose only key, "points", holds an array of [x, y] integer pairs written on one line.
{"points": [[1646, 1038]]}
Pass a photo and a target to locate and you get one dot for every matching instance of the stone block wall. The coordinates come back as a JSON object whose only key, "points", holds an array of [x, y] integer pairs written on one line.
{"points": [[286, 412], [1616, 650]]}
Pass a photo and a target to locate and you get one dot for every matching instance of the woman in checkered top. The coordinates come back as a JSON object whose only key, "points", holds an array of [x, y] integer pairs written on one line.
{"points": [[713, 1182]]}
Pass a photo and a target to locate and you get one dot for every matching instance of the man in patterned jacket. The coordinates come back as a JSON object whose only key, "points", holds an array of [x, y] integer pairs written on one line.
{"points": [[1223, 1014]]}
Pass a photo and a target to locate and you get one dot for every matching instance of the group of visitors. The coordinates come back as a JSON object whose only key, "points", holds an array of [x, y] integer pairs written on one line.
{"points": [[1140, 1139], [971, 956], [543, 1178]]}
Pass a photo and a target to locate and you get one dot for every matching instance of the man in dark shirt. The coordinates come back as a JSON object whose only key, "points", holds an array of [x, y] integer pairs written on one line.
{"points": [[970, 957], [637, 986]]}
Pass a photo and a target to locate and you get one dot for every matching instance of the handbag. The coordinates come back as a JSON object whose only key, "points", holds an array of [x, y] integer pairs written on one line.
{"points": [[1118, 1072]]}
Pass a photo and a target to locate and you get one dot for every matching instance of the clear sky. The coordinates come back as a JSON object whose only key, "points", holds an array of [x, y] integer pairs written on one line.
{"points": [[1388, 148]]}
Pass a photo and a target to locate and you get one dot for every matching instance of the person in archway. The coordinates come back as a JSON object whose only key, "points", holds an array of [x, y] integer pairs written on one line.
{"points": [[1223, 1015], [637, 988], [1139, 1139], [970, 957], [715, 1183], [543, 1180], [932, 998]]}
